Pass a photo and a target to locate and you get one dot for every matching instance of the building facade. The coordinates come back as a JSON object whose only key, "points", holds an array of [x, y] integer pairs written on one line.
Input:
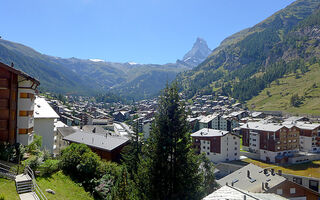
{"points": [[218, 145], [17, 94], [273, 142]]}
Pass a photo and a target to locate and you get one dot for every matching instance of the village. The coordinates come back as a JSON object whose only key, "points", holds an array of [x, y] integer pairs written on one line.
{"points": [[221, 128]]}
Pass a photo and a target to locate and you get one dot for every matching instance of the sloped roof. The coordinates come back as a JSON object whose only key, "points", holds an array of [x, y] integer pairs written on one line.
{"points": [[240, 179], [103, 142], [228, 192], [19, 72], [262, 126]]}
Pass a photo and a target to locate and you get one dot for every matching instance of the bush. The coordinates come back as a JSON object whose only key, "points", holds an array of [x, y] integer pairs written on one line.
{"points": [[34, 162], [2, 197], [34, 147], [49, 167], [79, 161]]}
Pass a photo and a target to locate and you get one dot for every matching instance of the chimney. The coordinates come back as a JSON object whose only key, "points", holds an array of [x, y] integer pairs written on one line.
{"points": [[265, 171], [232, 183], [81, 127], [244, 197], [267, 186], [248, 173], [280, 172], [262, 185], [272, 172], [12, 65], [94, 130]]}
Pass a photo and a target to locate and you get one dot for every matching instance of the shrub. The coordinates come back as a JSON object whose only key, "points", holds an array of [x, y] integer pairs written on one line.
{"points": [[79, 161], [2, 197], [70, 157], [49, 167], [34, 147], [34, 162]]}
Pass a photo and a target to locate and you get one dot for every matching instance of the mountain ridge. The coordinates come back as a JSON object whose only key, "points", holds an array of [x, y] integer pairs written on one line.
{"points": [[89, 77]]}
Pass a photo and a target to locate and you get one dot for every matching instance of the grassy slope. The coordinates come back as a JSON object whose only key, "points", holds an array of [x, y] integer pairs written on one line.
{"points": [[281, 94], [64, 187], [8, 189]]}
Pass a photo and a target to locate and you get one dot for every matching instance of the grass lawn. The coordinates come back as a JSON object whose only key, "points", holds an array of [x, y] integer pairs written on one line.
{"points": [[311, 169], [8, 189], [64, 187]]}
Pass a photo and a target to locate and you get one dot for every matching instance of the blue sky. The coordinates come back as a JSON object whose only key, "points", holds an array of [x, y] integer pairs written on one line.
{"points": [[142, 31]]}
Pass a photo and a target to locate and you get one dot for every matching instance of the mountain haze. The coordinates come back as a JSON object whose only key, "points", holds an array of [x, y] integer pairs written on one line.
{"points": [[93, 76]]}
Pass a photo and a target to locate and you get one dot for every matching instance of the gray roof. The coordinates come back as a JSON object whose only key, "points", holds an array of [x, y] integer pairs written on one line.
{"points": [[65, 131], [240, 179], [228, 192], [103, 142], [208, 132], [207, 119], [99, 128], [262, 126]]}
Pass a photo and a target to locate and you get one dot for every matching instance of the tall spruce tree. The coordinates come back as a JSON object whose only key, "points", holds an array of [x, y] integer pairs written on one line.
{"points": [[131, 153], [171, 166]]}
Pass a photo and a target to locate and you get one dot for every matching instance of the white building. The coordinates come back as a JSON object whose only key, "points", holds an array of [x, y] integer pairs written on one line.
{"points": [[218, 145], [44, 118]]}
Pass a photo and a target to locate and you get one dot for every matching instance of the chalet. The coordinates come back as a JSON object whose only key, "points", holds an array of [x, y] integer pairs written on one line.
{"points": [[17, 94]]}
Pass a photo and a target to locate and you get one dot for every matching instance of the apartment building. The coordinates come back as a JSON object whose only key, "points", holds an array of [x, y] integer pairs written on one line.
{"points": [[218, 145], [218, 122], [273, 142], [309, 137], [17, 94], [44, 118]]}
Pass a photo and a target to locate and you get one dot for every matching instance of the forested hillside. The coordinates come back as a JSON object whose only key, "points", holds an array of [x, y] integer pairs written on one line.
{"points": [[249, 61]]}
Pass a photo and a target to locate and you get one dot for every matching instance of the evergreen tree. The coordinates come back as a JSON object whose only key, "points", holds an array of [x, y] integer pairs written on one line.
{"points": [[170, 166], [130, 153]]}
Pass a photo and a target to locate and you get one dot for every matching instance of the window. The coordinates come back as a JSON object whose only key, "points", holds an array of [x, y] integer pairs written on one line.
{"points": [[25, 130], [208, 153], [24, 95], [24, 113], [235, 154], [279, 191], [204, 147], [235, 148], [208, 148], [292, 190], [314, 185]]}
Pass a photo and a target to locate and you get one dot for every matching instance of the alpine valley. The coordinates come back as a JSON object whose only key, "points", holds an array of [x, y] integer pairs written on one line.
{"points": [[74, 76], [273, 65]]}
